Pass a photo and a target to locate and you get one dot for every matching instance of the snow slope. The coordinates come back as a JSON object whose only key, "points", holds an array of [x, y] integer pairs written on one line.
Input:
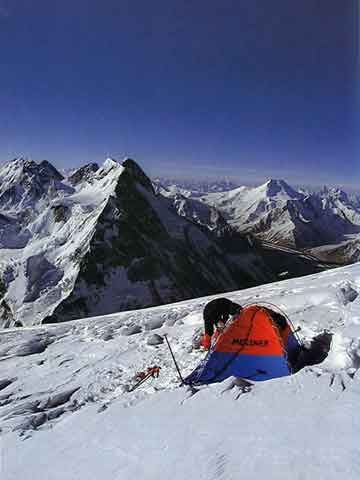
{"points": [[66, 412], [261, 210], [276, 212], [41, 272], [195, 210]]}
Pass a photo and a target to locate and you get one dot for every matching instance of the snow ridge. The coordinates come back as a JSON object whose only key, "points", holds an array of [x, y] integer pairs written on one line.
{"points": [[278, 213], [40, 270], [64, 391]]}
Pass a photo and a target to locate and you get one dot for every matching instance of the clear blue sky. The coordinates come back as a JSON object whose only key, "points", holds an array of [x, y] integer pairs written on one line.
{"points": [[244, 88]]}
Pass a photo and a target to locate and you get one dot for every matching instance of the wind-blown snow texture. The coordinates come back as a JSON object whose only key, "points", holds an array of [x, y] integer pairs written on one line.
{"points": [[66, 412]]}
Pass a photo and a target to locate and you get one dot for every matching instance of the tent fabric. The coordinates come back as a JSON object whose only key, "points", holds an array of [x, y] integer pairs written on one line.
{"points": [[252, 346], [292, 348]]}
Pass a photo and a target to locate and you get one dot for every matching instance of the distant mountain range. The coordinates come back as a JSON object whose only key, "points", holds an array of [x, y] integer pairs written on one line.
{"points": [[325, 222], [102, 239], [195, 187]]}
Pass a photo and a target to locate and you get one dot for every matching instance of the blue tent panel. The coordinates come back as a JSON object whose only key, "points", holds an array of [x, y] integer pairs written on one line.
{"points": [[219, 365]]}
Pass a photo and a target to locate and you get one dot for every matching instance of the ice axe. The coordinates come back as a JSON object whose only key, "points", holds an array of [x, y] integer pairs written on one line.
{"points": [[173, 357]]}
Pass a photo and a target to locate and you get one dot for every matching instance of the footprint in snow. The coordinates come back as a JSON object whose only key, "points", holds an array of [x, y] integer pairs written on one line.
{"points": [[343, 378]]}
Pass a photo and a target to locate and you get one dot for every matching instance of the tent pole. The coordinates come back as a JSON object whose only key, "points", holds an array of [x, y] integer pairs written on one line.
{"points": [[293, 329]]}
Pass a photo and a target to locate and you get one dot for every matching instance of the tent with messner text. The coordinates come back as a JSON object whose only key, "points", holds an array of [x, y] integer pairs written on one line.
{"points": [[257, 344]]}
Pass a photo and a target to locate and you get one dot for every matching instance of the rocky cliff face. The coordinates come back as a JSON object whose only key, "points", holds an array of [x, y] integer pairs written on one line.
{"points": [[143, 253], [83, 174], [103, 241], [277, 213]]}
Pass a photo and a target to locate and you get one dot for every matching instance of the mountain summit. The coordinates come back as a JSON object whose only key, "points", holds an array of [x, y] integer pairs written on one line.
{"points": [[102, 240], [278, 213], [23, 183], [274, 188]]}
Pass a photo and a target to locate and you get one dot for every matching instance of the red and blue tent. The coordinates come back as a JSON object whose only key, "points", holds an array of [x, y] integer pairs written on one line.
{"points": [[258, 344]]}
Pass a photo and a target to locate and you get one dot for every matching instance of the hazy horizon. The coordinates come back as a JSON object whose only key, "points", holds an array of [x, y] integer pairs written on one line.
{"points": [[238, 180]]}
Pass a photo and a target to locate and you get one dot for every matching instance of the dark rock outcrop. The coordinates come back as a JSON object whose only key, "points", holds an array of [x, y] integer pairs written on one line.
{"points": [[83, 173]]}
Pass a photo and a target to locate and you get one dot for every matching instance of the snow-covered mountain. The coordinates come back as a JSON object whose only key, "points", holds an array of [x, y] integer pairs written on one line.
{"points": [[66, 411], [83, 173], [195, 210], [341, 204], [102, 241], [54, 225], [278, 213]]}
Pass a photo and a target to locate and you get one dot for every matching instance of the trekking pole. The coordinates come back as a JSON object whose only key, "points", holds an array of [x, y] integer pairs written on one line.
{"points": [[176, 365], [140, 382]]}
